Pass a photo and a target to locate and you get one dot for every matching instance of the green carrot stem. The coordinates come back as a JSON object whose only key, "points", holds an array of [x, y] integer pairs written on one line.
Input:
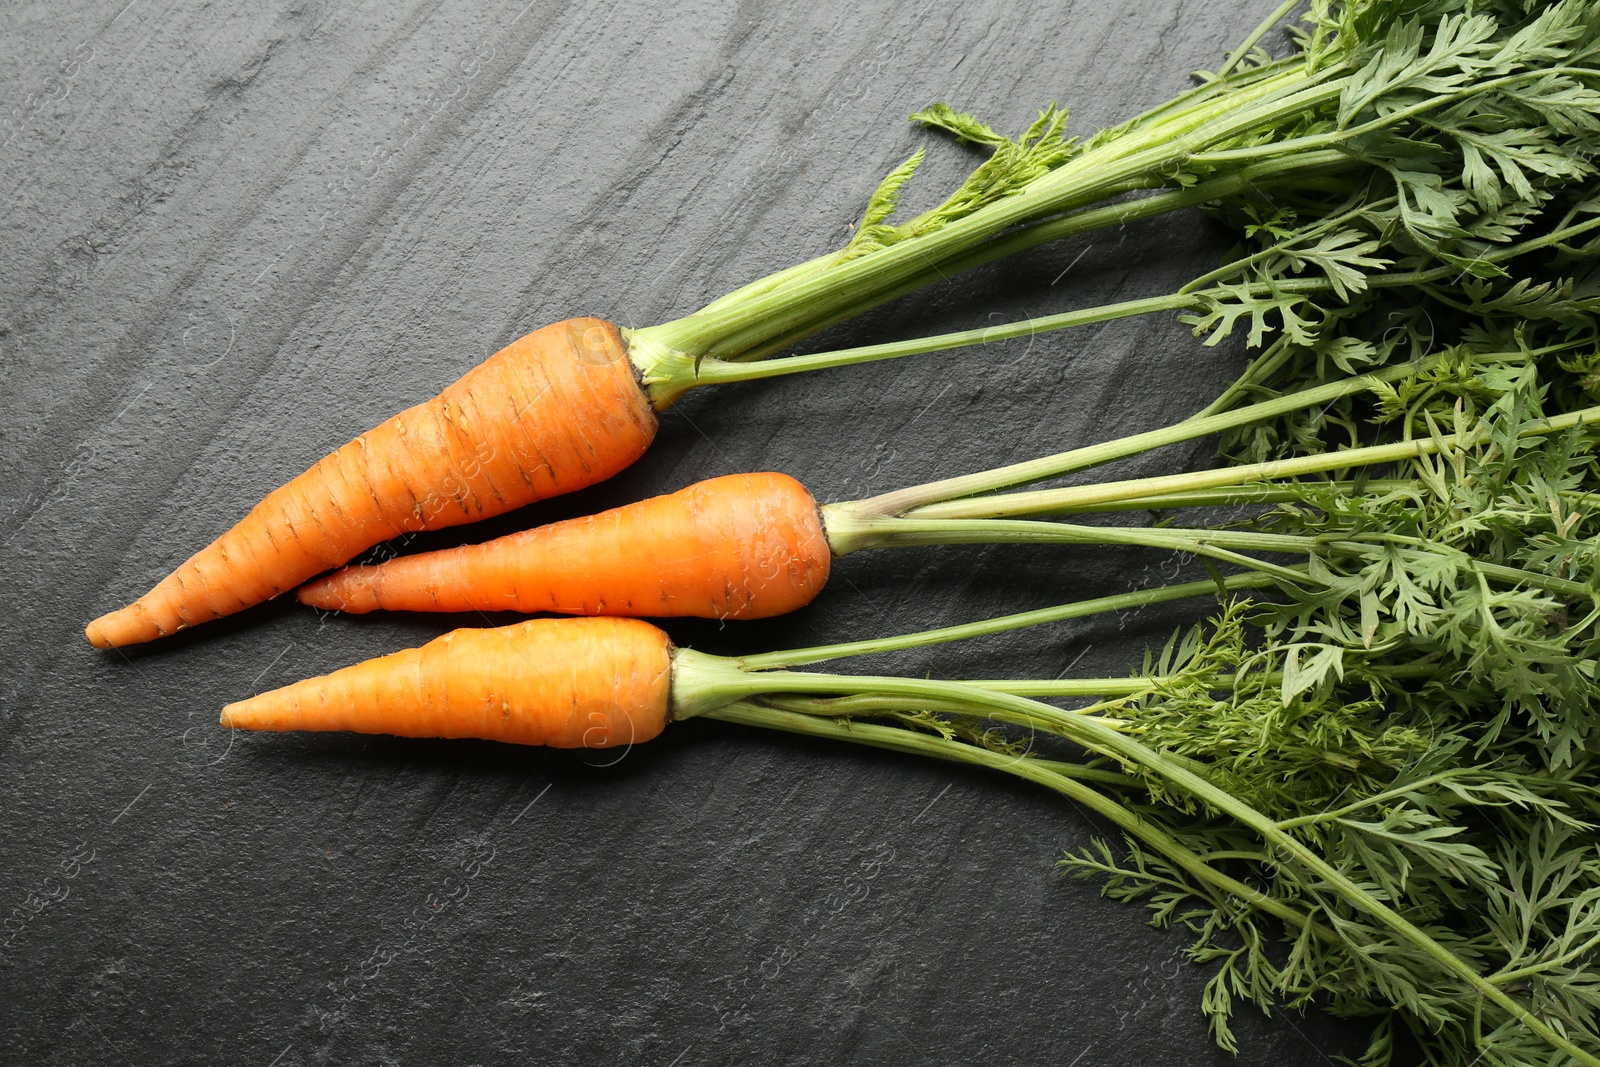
{"points": [[942, 499], [1224, 546], [1349, 134], [1131, 601], [678, 371], [1238, 55], [902, 501], [1118, 213], [860, 705], [1081, 497], [1101, 738], [674, 372], [669, 372], [1502, 978], [893, 532], [1259, 493], [1233, 495], [1260, 370], [1227, 546], [1110, 687], [1374, 800], [1118, 164], [900, 740], [714, 371]]}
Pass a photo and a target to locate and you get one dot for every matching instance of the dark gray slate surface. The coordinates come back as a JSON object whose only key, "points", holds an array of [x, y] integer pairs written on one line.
{"points": [[233, 238]]}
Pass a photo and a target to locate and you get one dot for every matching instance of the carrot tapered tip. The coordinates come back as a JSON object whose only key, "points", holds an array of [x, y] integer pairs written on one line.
{"points": [[95, 632], [236, 715], [344, 590], [125, 626], [268, 711], [282, 709]]}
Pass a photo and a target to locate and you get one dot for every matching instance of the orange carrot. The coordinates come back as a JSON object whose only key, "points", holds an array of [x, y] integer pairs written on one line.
{"points": [[745, 546], [567, 683], [559, 409]]}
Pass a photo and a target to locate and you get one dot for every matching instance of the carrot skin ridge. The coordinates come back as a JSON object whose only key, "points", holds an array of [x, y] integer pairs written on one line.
{"points": [[554, 411], [743, 546], [564, 683]]}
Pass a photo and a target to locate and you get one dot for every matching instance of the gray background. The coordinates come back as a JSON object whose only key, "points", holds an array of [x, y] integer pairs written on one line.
{"points": [[234, 238]]}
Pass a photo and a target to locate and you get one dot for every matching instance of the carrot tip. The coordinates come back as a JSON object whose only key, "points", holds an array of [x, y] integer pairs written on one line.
{"points": [[263, 712], [343, 590], [314, 594], [131, 625], [95, 636], [115, 628]]}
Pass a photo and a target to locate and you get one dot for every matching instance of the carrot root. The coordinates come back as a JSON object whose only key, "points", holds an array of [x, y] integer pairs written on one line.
{"points": [[744, 546], [566, 683]]}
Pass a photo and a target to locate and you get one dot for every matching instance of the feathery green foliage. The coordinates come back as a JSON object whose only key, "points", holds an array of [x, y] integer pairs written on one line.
{"points": [[1369, 786], [1011, 167]]}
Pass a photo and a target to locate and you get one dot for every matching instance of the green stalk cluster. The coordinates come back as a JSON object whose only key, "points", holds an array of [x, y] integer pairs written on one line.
{"points": [[1365, 781], [1408, 144]]}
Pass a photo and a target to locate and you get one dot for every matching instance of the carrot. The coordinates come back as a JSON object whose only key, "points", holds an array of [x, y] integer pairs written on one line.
{"points": [[744, 546], [554, 411], [567, 683]]}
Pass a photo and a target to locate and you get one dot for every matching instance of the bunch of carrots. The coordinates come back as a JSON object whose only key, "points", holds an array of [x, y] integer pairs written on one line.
{"points": [[1412, 159]]}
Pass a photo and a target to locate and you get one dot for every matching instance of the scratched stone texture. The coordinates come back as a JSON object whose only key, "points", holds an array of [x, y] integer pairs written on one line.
{"points": [[235, 236]]}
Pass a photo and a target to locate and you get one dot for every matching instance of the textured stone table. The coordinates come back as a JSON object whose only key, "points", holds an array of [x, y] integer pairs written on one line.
{"points": [[233, 238]]}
